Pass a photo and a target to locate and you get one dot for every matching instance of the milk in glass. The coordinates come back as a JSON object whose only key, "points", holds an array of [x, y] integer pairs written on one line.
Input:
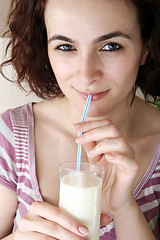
{"points": [[80, 196]]}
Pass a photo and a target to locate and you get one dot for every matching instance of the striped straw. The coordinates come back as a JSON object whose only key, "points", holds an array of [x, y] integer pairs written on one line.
{"points": [[79, 152]]}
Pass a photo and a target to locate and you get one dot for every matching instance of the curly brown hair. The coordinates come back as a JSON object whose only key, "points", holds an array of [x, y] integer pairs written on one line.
{"points": [[28, 41], [29, 55]]}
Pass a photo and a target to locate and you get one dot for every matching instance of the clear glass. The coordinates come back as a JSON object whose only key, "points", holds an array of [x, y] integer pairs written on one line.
{"points": [[80, 194]]}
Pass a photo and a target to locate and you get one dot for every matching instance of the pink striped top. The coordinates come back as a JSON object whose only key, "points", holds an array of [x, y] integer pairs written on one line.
{"points": [[18, 173]]}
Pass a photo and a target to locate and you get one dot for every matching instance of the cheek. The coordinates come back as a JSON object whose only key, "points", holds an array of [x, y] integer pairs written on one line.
{"points": [[126, 71], [61, 69]]}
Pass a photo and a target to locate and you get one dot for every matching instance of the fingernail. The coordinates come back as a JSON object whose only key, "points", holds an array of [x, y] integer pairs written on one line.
{"points": [[109, 156], [77, 125], [80, 140], [83, 230]]}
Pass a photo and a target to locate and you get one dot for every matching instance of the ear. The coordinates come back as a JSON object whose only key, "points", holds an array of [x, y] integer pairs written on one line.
{"points": [[144, 54]]}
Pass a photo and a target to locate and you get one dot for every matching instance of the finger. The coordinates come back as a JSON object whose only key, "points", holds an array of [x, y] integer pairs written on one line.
{"points": [[19, 235], [49, 228], [98, 134], [123, 161], [118, 145], [54, 214], [89, 125], [127, 168], [105, 219]]}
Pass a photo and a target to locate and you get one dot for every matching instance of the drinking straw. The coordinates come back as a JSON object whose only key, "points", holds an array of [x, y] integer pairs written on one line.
{"points": [[79, 152]]}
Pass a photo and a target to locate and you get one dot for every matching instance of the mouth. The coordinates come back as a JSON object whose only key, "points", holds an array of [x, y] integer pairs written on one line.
{"points": [[95, 95]]}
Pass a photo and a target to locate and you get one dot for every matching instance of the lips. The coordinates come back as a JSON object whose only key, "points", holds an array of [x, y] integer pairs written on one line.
{"points": [[95, 96]]}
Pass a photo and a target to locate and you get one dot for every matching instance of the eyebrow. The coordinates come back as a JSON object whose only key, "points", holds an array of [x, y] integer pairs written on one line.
{"points": [[97, 40], [60, 37]]}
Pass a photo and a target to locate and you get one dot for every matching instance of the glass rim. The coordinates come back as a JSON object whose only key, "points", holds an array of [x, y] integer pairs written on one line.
{"points": [[67, 164]]}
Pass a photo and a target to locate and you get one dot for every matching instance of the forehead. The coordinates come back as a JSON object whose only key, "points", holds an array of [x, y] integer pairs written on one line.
{"points": [[81, 5], [67, 14]]}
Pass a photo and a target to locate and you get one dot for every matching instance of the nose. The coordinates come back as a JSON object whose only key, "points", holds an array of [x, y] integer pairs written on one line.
{"points": [[90, 69]]}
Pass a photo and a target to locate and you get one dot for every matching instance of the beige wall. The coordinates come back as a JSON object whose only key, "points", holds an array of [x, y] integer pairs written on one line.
{"points": [[4, 8]]}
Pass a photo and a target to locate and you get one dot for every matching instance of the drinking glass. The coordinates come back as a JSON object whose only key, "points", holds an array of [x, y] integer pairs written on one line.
{"points": [[80, 194]]}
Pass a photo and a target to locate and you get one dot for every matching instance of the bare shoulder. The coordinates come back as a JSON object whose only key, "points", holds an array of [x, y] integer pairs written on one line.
{"points": [[148, 118], [46, 106], [147, 130], [49, 110], [154, 118], [147, 137]]}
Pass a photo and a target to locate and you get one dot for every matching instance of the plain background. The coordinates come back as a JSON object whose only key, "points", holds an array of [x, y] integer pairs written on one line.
{"points": [[4, 7]]}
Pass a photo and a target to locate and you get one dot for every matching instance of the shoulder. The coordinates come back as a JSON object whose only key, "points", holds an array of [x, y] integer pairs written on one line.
{"points": [[147, 131], [154, 119], [21, 113], [8, 122], [148, 119], [18, 112], [50, 110], [13, 138]]}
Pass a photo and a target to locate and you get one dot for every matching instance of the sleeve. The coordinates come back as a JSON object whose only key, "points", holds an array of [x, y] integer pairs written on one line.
{"points": [[8, 172]]}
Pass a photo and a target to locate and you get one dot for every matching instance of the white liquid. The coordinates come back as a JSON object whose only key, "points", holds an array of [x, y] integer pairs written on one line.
{"points": [[80, 196]]}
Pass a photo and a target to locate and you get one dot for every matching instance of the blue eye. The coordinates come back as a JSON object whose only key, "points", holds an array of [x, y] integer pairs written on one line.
{"points": [[66, 48], [111, 47]]}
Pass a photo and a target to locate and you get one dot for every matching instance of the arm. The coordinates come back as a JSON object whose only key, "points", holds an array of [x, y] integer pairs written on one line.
{"points": [[8, 207], [104, 144], [130, 223]]}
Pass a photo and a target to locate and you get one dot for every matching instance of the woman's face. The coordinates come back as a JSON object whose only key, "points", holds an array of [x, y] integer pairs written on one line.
{"points": [[95, 47]]}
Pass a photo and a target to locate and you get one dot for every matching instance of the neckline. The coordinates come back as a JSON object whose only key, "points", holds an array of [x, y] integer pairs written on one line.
{"points": [[145, 178], [149, 172]]}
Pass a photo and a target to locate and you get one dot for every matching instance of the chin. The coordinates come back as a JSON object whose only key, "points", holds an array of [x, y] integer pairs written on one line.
{"points": [[97, 113]]}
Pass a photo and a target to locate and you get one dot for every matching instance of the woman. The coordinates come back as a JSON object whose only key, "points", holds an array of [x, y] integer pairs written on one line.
{"points": [[66, 50]]}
